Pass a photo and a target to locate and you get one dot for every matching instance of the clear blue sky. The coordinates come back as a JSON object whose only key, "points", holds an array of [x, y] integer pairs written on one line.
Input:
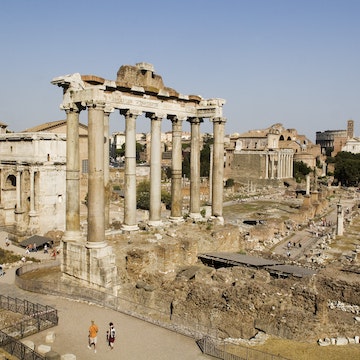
{"points": [[288, 61]]}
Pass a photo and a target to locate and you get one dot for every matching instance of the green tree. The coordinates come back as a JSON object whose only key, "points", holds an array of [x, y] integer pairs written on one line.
{"points": [[229, 183], [186, 165], [347, 168], [205, 156], [301, 170], [143, 196]]}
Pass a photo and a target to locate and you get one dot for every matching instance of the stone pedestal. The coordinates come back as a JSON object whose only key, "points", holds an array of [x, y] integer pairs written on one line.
{"points": [[21, 224], [96, 265], [307, 201], [314, 196]]}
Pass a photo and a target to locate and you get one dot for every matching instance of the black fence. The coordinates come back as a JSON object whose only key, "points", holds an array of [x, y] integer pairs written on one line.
{"points": [[37, 318], [217, 349]]}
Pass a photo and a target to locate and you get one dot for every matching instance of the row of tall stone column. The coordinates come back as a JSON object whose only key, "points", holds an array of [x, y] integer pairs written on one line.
{"points": [[98, 172], [284, 168]]}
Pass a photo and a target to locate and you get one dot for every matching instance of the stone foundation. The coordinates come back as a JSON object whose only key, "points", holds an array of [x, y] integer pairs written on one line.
{"points": [[95, 266]]}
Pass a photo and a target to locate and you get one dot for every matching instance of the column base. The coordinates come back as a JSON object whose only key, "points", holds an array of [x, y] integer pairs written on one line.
{"points": [[155, 223], [93, 266], [95, 244], [195, 216], [217, 219], [73, 236], [129, 227], [176, 219]]}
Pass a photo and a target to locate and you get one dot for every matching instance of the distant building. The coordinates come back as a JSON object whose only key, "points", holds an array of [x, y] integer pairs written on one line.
{"points": [[267, 155], [32, 178], [332, 141], [352, 145]]}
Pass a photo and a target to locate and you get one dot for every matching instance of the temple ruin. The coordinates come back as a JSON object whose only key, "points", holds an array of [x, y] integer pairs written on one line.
{"points": [[136, 91]]}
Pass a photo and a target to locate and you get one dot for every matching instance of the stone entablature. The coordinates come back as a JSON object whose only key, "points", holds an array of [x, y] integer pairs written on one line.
{"points": [[151, 97], [33, 147]]}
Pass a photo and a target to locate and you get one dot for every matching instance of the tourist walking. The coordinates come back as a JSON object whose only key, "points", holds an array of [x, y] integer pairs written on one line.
{"points": [[110, 335], [93, 330]]}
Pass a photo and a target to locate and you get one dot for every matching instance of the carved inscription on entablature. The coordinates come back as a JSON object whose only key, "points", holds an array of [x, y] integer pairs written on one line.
{"points": [[209, 112], [147, 105]]}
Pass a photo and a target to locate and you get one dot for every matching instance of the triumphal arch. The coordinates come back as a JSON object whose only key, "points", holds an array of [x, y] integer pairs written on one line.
{"points": [[136, 91]]}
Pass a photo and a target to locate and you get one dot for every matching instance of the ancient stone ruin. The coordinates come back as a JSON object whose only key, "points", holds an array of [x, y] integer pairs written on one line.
{"points": [[137, 90]]}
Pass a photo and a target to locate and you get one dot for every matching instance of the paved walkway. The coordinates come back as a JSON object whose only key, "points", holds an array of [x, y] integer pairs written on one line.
{"points": [[306, 237], [135, 339]]}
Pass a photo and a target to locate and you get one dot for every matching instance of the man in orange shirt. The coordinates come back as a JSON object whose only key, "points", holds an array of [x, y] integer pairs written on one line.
{"points": [[93, 330]]}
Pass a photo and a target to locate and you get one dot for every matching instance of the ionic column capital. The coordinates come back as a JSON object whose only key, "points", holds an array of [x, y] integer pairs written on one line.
{"points": [[219, 120], [176, 118], [130, 113], [95, 104], [108, 109], [72, 107], [155, 116], [195, 120]]}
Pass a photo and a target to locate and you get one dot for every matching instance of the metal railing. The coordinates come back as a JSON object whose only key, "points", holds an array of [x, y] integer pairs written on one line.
{"points": [[18, 349], [217, 349], [37, 318]]}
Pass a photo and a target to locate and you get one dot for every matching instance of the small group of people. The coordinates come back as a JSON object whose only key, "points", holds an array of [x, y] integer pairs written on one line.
{"points": [[93, 331], [31, 248]]}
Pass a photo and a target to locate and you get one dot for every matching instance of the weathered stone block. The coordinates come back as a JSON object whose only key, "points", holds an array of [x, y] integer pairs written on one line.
{"points": [[29, 344], [341, 341], [324, 342], [43, 349], [50, 337], [68, 357]]}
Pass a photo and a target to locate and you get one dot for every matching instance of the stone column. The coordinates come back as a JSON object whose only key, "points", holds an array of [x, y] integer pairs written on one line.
{"points": [[323, 169], [32, 192], [155, 170], [307, 184], [218, 170], [20, 215], [19, 171], [106, 168], [96, 191], [195, 168], [340, 220], [266, 166], [130, 222], [176, 170], [272, 165], [33, 215], [72, 231], [211, 172], [278, 175]]}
